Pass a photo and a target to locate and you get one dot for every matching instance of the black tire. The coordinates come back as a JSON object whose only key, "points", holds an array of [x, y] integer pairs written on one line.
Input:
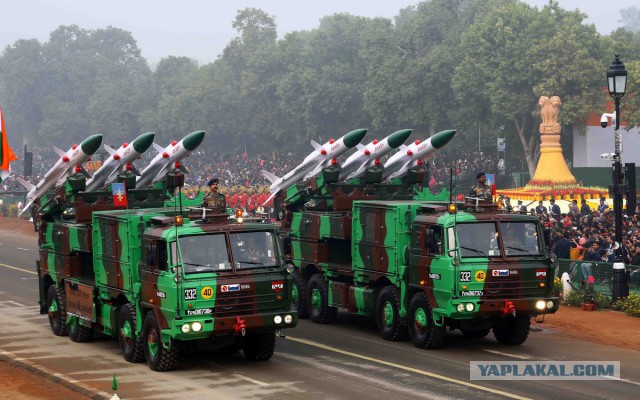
{"points": [[423, 331], [390, 325], [259, 346], [57, 311], [78, 333], [158, 357], [131, 344], [317, 301], [475, 334], [512, 331], [298, 294]]}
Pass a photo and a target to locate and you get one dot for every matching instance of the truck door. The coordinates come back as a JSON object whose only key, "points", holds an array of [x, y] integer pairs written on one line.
{"points": [[157, 280]]}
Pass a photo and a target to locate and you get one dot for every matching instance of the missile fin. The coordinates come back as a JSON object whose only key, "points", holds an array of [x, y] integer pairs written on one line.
{"points": [[403, 147], [315, 145], [135, 170], [60, 152], [24, 183], [158, 148], [25, 208], [271, 177], [109, 149], [85, 172], [360, 147], [270, 197], [184, 169]]}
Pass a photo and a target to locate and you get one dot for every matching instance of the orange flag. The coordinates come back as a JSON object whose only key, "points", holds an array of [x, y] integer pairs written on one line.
{"points": [[6, 154]]}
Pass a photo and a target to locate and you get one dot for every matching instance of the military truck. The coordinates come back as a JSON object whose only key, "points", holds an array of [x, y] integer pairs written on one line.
{"points": [[161, 279], [417, 266]]}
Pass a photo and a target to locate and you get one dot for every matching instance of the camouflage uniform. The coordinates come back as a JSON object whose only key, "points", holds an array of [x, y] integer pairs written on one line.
{"points": [[481, 191], [217, 202]]}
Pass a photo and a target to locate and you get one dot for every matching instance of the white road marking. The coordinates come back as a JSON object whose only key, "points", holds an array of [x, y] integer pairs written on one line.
{"points": [[246, 378], [15, 303], [18, 269], [410, 369], [507, 354], [622, 380], [23, 249]]}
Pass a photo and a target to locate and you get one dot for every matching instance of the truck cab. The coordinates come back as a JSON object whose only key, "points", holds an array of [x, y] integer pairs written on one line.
{"points": [[481, 270]]}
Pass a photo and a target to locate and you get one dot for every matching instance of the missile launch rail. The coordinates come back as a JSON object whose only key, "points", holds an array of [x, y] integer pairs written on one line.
{"points": [[413, 261], [157, 276]]}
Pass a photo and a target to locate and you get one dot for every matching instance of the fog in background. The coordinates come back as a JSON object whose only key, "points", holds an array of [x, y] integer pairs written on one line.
{"points": [[200, 29]]}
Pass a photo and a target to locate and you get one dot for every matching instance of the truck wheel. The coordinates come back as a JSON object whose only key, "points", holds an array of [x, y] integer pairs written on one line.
{"points": [[317, 301], [159, 357], [259, 346], [477, 334], [130, 343], [512, 331], [390, 325], [77, 332], [57, 311], [422, 328], [298, 290]]}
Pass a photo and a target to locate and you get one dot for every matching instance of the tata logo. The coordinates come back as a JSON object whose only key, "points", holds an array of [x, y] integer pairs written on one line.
{"points": [[541, 273], [500, 272], [229, 288], [435, 277], [277, 286]]}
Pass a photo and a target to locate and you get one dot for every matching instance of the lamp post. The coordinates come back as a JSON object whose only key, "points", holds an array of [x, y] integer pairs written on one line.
{"points": [[617, 82]]}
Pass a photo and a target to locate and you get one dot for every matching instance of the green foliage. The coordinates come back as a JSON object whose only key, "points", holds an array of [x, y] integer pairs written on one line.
{"points": [[587, 293], [556, 288], [630, 305], [630, 18]]}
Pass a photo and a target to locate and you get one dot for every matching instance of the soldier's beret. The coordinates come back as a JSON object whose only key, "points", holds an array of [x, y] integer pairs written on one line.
{"points": [[479, 174], [212, 181]]}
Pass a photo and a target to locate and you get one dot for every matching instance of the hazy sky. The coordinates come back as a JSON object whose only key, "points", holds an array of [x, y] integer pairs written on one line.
{"points": [[200, 29]]}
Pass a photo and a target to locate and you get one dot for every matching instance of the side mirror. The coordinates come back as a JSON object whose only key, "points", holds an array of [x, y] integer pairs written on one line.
{"points": [[547, 237], [428, 239]]}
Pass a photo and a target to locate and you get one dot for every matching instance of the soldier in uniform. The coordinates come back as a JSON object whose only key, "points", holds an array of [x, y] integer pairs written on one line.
{"points": [[481, 190], [213, 199]]}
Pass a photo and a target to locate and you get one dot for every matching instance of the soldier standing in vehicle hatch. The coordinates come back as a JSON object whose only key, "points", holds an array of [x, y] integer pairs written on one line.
{"points": [[213, 199], [481, 190]]}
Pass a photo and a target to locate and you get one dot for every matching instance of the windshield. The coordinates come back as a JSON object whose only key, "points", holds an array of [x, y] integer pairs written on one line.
{"points": [[204, 253], [253, 249], [521, 238], [477, 239]]}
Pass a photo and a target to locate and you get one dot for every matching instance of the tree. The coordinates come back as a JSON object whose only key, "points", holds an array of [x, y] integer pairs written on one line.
{"points": [[515, 54], [630, 18]]}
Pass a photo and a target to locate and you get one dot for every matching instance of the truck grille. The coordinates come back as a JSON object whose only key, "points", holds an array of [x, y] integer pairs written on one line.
{"points": [[244, 303], [512, 289]]}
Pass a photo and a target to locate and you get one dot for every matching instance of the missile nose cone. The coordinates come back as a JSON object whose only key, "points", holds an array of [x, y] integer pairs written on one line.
{"points": [[91, 144], [441, 138], [193, 140], [143, 142], [354, 137], [399, 137]]}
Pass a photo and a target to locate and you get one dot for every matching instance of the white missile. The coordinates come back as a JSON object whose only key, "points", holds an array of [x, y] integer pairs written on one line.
{"points": [[70, 162], [367, 156], [323, 156], [119, 161], [169, 158], [410, 156]]}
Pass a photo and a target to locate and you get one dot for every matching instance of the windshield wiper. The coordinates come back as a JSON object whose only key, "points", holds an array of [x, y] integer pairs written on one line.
{"points": [[251, 262], [474, 250]]}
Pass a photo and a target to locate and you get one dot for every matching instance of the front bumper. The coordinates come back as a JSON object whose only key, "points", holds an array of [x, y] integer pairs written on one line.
{"points": [[232, 325], [500, 307]]}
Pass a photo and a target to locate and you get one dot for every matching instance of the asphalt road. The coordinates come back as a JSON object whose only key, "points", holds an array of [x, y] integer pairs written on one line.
{"points": [[346, 360]]}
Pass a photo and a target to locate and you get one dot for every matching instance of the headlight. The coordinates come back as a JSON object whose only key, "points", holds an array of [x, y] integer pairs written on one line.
{"points": [[290, 268], [470, 307], [549, 304], [460, 307], [288, 319], [540, 304], [196, 326], [277, 319], [185, 328]]}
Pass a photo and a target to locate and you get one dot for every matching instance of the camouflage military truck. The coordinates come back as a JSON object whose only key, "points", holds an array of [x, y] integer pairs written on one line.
{"points": [[160, 279], [416, 266]]}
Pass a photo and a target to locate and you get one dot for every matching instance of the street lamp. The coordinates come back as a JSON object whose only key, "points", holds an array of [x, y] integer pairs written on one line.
{"points": [[617, 83]]}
